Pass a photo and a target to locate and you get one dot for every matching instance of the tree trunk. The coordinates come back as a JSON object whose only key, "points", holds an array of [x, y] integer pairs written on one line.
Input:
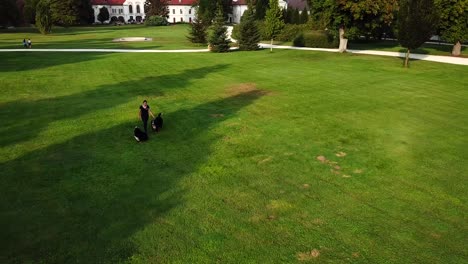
{"points": [[407, 58], [271, 46], [456, 51], [343, 41]]}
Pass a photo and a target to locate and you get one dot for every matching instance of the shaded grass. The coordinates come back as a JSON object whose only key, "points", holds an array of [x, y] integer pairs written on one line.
{"points": [[233, 177], [391, 45]]}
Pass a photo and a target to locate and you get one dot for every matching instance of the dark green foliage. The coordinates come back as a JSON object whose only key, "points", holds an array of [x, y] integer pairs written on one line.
{"points": [[157, 8], [261, 6], [417, 22], [103, 14], [44, 16], [197, 31], [64, 12], [218, 38], [85, 12], [359, 17], [9, 13], [295, 17], [304, 16], [29, 11], [156, 21], [290, 31], [249, 36], [208, 9], [315, 39], [453, 22]]}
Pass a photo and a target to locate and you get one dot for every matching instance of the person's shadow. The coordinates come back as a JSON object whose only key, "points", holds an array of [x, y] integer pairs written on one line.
{"points": [[82, 200]]}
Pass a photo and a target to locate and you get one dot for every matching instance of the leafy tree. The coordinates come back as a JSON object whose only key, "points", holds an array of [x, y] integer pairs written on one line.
{"points": [[157, 8], [304, 16], [417, 20], [249, 33], [370, 18], [208, 9], [273, 21], [453, 23], [9, 13], [103, 14], [64, 12], [197, 31], [44, 16], [218, 40], [261, 6]]}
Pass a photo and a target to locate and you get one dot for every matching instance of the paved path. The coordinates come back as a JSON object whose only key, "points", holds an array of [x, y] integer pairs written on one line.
{"points": [[442, 59], [435, 58]]}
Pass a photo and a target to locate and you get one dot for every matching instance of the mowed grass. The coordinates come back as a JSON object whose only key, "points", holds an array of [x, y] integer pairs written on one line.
{"points": [[170, 37], [234, 175]]}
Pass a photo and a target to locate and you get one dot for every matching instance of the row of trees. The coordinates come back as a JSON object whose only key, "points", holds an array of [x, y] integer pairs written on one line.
{"points": [[61, 12]]}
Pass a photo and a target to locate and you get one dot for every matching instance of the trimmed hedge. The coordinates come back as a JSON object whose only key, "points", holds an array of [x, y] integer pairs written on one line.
{"points": [[315, 39], [156, 21]]}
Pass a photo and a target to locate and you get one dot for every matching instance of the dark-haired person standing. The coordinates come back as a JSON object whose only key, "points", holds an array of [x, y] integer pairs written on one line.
{"points": [[144, 114]]}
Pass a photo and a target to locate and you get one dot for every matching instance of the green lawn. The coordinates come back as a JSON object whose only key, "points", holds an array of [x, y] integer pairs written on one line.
{"points": [[170, 37], [234, 175]]}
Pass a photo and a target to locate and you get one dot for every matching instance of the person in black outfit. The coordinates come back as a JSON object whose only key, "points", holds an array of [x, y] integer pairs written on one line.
{"points": [[144, 111]]}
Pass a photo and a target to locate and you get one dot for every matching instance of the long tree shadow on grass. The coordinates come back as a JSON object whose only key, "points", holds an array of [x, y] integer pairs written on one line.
{"points": [[17, 116], [81, 201], [17, 61]]}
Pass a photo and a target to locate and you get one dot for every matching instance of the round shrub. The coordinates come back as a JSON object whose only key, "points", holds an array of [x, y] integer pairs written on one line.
{"points": [[156, 21], [315, 39], [290, 31]]}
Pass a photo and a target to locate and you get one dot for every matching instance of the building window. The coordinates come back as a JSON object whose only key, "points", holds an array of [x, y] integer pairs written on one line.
{"points": [[181, 11], [181, 20], [190, 11], [173, 11], [138, 9], [130, 9]]}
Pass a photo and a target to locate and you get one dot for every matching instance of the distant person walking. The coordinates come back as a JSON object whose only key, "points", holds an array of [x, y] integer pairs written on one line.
{"points": [[29, 43], [25, 44], [144, 114]]}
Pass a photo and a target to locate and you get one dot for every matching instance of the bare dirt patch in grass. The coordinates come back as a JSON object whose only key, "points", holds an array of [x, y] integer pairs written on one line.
{"points": [[340, 154], [305, 256], [245, 89], [217, 115], [265, 160]]}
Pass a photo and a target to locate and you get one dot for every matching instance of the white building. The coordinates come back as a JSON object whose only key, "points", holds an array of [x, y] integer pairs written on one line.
{"points": [[180, 11]]}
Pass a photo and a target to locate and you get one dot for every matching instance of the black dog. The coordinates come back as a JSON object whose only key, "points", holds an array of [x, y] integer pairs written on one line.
{"points": [[157, 123], [139, 135]]}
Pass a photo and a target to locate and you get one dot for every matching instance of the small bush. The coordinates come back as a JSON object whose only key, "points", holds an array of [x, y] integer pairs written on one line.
{"points": [[156, 21], [235, 32], [315, 39], [290, 32]]}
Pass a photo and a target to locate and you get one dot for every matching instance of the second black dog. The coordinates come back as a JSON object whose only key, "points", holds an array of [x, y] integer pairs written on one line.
{"points": [[157, 123], [139, 135]]}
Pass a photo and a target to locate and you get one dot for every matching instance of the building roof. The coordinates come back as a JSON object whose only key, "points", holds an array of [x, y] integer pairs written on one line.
{"points": [[297, 4], [239, 2], [107, 2], [182, 2]]}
